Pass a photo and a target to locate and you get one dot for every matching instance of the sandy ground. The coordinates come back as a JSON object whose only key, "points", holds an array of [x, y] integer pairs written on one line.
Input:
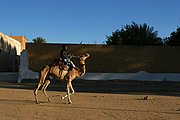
{"points": [[93, 100]]}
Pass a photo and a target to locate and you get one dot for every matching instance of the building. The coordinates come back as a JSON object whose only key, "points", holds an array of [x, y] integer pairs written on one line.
{"points": [[12, 44], [10, 50], [22, 40]]}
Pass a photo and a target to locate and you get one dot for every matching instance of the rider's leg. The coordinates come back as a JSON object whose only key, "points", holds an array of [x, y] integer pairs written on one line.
{"points": [[73, 65]]}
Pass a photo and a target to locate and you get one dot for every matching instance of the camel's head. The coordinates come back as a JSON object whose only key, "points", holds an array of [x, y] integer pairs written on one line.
{"points": [[84, 56]]}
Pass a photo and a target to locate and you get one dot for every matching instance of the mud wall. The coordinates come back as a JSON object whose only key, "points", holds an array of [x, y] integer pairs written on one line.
{"points": [[111, 59]]}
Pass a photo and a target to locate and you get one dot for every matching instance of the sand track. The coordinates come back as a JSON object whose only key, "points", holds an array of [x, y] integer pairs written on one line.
{"points": [[17, 103]]}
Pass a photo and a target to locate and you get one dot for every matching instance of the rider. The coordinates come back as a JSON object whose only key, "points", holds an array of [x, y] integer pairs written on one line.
{"points": [[66, 58]]}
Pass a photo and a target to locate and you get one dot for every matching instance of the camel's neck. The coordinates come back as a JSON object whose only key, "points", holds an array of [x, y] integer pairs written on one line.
{"points": [[82, 68]]}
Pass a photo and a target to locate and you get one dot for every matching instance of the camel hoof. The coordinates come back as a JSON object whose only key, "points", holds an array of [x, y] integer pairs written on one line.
{"points": [[70, 102], [37, 102], [49, 100], [62, 98]]}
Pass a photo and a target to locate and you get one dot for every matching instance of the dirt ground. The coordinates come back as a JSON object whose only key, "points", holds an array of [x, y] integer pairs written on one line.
{"points": [[93, 100]]}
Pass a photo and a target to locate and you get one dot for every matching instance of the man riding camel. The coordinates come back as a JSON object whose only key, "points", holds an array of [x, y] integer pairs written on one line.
{"points": [[65, 57]]}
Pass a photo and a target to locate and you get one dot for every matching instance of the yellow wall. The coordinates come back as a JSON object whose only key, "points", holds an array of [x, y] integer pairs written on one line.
{"points": [[112, 59]]}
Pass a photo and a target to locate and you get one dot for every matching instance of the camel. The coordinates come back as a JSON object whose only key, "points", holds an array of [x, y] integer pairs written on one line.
{"points": [[68, 76]]}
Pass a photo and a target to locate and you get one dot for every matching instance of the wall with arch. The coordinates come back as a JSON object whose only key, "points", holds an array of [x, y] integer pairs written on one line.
{"points": [[10, 50]]}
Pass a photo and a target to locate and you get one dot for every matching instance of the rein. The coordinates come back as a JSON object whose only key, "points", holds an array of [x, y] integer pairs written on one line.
{"points": [[82, 64]]}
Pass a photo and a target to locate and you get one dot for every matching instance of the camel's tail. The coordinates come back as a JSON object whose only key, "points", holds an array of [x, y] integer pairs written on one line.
{"points": [[43, 73]]}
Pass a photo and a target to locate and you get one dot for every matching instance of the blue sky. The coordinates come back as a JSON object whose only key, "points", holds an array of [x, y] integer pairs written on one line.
{"points": [[89, 21]]}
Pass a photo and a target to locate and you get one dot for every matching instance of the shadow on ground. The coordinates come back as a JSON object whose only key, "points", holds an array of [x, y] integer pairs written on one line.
{"points": [[106, 86]]}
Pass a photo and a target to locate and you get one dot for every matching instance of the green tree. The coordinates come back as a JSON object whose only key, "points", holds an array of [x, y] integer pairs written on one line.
{"points": [[134, 34], [39, 40], [174, 39]]}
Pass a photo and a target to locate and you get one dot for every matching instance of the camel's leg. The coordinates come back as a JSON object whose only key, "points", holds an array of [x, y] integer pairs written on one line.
{"points": [[42, 77], [47, 82], [68, 92], [63, 97], [72, 91], [36, 91]]}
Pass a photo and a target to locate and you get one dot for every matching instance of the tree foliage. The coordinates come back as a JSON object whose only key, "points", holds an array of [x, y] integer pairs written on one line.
{"points": [[174, 39], [39, 40], [134, 34]]}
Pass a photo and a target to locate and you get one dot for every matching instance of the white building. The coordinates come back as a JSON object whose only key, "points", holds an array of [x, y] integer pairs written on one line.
{"points": [[10, 45]]}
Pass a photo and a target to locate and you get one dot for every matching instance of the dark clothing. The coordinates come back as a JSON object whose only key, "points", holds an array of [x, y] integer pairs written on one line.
{"points": [[64, 56]]}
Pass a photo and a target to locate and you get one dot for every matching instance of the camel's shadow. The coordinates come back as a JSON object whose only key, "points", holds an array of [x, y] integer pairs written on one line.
{"points": [[30, 102], [16, 102], [106, 86]]}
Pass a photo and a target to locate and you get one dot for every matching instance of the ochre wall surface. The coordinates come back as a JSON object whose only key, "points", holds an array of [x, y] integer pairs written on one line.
{"points": [[111, 59]]}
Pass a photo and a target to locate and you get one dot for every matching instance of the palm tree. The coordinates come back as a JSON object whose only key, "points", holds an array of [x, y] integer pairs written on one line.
{"points": [[39, 40]]}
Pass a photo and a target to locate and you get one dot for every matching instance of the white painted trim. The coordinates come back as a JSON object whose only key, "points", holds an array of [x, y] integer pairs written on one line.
{"points": [[141, 75]]}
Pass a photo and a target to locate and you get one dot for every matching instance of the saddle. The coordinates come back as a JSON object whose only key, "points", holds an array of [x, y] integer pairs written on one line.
{"points": [[62, 66], [60, 63]]}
